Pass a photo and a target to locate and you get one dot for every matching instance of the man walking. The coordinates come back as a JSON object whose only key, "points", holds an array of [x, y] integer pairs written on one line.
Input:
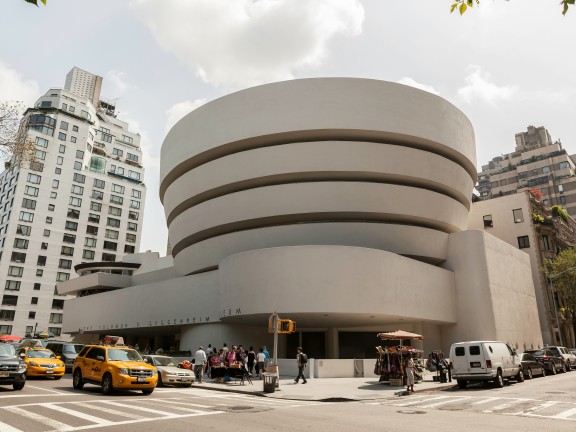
{"points": [[199, 363], [301, 360]]}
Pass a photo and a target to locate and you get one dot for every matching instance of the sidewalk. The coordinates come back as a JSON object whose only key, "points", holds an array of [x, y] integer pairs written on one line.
{"points": [[326, 389]]}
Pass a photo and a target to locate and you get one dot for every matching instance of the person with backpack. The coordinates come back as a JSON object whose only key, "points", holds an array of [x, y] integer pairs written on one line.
{"points": [[302, 360]]}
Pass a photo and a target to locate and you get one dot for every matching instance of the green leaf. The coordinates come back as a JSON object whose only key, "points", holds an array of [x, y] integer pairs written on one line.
{"points": [[463, 8], [454, 6], [470, 2]]}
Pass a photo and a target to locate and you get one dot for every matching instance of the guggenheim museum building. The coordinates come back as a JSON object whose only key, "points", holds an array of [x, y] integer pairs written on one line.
{"points": [[339, 203]]}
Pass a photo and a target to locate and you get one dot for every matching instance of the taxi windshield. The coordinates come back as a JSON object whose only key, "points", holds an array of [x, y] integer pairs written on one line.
{"points": [[116, 354], [40, 354]]}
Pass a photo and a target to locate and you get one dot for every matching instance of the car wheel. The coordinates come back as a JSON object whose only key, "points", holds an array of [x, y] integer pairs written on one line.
{"points": [[188, 385], [563, 368], [520, 376], [18, 385], [107, 386], [568, 366], [147, 391], [499, 381], [554, 371], [462, 383], [77, 381], [529, 374]]}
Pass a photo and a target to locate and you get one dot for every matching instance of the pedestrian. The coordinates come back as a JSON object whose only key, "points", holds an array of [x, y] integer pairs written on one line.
{"points": [[137, 347], [409, 368], [251, 358], [267, 354], [147, 349], [225, 349], [260, 362], [302, 361], [199, 363]]}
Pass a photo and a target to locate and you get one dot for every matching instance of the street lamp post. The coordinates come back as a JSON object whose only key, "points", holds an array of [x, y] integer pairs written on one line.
{"points": [[554, 300]]}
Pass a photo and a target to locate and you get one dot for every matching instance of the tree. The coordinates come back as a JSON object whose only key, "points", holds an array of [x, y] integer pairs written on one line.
{"points": [[463, 5], [15, 146], [562, 272]]}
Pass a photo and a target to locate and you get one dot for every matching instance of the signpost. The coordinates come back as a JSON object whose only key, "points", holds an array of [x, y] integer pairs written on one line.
{"points": [[279, 326]]}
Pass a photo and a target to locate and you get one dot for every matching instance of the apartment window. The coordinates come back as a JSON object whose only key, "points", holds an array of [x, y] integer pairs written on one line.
{"points": [[18, 257], [62, 148], [94, 218], [74, 128], [97, 194], [562, 200], [523, 242], [64, 125], [31, 190], [134, 204], [78, 166], [41, 142], [55, 184], [518, 215], [44, 246], [69, 238], [77, 190], [56, 318], [29, 203], [5, 329], [73, 139], [31, 315], [127, 139], [65, 264], [37, 286], [9, 300], [41, 155], [113, 222], [88, 254], [46, 233], [132, 226], [136, 193], [41, 260], [108, 257], [112, 234], [73, 213], [488, 221], [117, 188], [34, 178], [116, 211], [34, 300], [79, 178], [58, 304], [7, 315], [67, 251], [117, 152], [60, 160], [90, 242], [62, 277], [545, 242], [116, 199], [131, 238], [56, 331], [23, 230], [560, 188], [545, 169], [110, 245], [134, 175], [97, 164], [128, 249], [77, 202], [100, 184], [132, 157], [12, 285], [563, 165], [95, 206], [15, 271], [53, 194], [133, 215], [79, 154], [51, 207], [48, 219], [20, 243], [36, 166], [57, 170], [72, 226], [92, 230]]}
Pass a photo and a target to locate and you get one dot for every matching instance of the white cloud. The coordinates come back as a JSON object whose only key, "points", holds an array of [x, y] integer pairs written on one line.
{"points": [[247, 42], [179, 110], [413, 83], [15, 88], [479, 87], [117, 79]]}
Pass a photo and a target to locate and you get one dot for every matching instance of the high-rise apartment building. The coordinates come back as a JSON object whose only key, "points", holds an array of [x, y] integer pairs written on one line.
{"points": [[538, 163], [85, 84], [82, 200]]}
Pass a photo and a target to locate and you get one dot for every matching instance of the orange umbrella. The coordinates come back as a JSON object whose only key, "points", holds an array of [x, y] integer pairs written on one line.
{"points": [[399, 335]]}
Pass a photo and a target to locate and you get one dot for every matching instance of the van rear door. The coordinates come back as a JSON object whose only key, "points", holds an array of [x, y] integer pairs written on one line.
{"points": [[470, 358]]}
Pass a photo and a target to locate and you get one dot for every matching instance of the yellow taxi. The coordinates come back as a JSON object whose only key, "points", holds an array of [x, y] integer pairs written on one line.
{"points": [[42, 362], [113, 367]]}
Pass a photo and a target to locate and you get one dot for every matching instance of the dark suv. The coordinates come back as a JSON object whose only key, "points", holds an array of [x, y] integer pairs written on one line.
{"points": [[67, 351], [12, 368]]}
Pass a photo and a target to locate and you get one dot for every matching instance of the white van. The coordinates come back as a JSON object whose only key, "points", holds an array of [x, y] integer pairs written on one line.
{"points": [[484, 361]]}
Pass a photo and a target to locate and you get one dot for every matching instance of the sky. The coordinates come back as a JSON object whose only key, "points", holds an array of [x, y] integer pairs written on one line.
{"points": [[506, 64]]}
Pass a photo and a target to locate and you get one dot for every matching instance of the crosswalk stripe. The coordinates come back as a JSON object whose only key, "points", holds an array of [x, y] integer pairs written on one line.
{"points": [[506, 405], [54, 424], [180, 402], [84, 416], [565, 414], [487, 400], [419, 401], [433, 405], [138, 408], [177, 408], [107, 410], [7, 428]]}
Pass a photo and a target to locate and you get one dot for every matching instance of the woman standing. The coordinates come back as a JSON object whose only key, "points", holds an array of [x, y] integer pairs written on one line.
{"points": [[251, 358], [409, 368]]}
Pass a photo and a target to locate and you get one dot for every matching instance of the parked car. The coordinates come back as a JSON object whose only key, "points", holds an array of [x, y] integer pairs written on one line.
{"points": [[12, 367], [33, 343], [67, 351], [569, 358], [531, 366], [42, 362], [168, 371], [113, 367], [551, 362], [573, 351], [483, 361]]}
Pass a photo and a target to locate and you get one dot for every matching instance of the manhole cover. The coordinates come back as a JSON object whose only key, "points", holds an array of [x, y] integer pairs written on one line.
{"points": [[240, 408], [410, 412]]}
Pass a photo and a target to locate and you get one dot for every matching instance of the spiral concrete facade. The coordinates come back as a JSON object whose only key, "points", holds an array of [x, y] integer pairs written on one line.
{"points": [[341, 203]]}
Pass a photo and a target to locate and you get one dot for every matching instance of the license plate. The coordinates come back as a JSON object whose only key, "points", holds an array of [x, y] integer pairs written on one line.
{"points": [[4, 374], [141, 379], [475, 364], [49, 371]]}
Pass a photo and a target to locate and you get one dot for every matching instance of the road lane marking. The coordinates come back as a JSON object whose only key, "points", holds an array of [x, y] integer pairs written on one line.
{"points": [[54, 424], [565, 414], [83, 416], [433, 405], [107, 410], [487, 400], [419, 401], [530, 411], [507, 405], [138, 408], [48, 390], [7, 428]]}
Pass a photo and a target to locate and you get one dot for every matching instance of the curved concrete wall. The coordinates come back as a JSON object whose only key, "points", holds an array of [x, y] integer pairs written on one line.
{"points": [[247, 169]]}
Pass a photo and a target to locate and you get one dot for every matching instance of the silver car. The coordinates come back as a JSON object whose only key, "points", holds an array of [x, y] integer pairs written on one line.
{"points": [[569, 358], [168, 371]]}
